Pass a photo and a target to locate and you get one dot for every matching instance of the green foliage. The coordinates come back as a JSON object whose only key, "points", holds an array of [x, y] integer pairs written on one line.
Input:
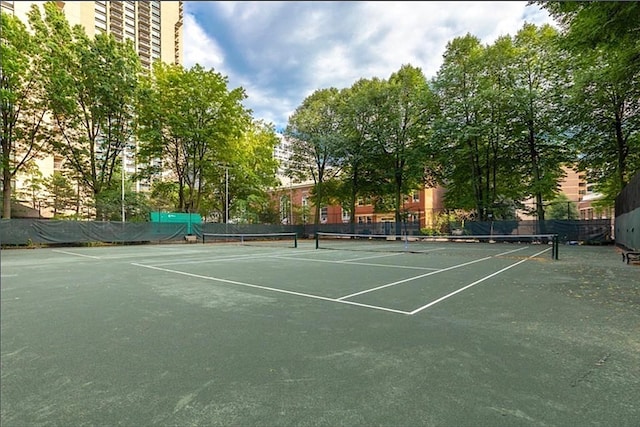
{"points": [[62, 194], [499, 133], [603, 108], [91, 86], [251, 172], [163, 196], [313, 130], [562, 208], [109, 203], [493, 126], [24, 129], [191, 120]]}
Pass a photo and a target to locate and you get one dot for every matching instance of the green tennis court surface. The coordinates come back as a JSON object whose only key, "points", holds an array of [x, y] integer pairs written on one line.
{"points": [[221, 334]]}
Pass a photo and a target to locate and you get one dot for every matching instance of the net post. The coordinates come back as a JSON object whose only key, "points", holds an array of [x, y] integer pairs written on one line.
{"points": [[295, 240], [317, 240], [556, 246]]}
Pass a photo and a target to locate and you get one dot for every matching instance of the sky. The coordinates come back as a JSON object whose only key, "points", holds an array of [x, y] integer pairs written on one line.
{"points": [[282, 52]]}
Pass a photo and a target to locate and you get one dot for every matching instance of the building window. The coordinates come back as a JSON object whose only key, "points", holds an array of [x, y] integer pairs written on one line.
{"points": [[57, 163], [285, 207], [324, 215], [345, 215]]}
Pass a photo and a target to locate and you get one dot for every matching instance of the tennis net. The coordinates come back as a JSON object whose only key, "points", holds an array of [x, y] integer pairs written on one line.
{"points": [[426, 244], [253, 239]]}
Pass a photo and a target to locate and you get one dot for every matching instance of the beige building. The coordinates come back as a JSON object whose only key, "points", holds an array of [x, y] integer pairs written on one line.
{"points": [[155, 27]]}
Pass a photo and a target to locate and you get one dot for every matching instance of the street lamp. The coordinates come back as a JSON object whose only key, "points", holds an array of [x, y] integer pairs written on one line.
{"points": [[226, 190], [226, 194], [124, 157]]}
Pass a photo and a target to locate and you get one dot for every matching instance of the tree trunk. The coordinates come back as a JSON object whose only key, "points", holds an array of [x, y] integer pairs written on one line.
{"points": [[6, 193]]}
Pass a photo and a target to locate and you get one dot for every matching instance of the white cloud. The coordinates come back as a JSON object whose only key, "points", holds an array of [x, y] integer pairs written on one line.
{"points": [[199, 48], [281, 52]]}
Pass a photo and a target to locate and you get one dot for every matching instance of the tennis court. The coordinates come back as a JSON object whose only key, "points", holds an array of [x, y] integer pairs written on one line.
{"points": [[498, 334]]}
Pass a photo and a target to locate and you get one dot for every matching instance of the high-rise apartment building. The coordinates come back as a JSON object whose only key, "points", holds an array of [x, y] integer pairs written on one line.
{"points": [[155, 27]]}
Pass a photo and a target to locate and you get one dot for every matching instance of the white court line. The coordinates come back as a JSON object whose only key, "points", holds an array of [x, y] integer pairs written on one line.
{"points": [[73, 253], [417, 310], [233, 282], [426, 274], [406, 267], [371, 257], [234, 257], [342, 299], [411, 278]]}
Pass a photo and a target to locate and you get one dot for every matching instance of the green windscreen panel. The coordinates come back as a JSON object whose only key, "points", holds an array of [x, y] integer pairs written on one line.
{"points": [[177, 217]]}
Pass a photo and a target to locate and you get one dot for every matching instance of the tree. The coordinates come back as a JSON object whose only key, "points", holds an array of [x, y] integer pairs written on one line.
{"points": [[503, 185], [62, 195], [359, 109], [242, 176], [254, 169], [313, 130], [403, 132], [459, 129], [25, 130], [188, 120], [33, 189], [562, 208], [163, 195], [91, 85], [538, 130], [109, 202], [604, 39]]}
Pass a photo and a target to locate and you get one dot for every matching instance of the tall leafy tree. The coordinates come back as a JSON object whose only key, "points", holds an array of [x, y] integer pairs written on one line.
{"points": [[538, 129], [91, 85], [314, 132], [189, 120], [403, 134], [460, 129], [604, 40], [359, 108], [244, 175], [502, 169], [23, 108]]}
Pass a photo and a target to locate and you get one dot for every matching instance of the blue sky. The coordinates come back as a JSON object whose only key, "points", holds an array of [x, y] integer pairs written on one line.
{"points": [[281, 52]]}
